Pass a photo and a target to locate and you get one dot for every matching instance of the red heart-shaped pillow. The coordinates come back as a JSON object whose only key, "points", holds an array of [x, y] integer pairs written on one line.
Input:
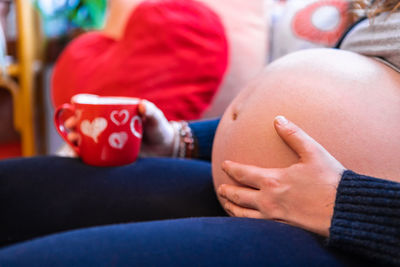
{"points": [[173, 53]]}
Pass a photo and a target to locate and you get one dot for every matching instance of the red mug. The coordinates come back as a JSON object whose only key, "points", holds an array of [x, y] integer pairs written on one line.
{"points": [[109, 127]]}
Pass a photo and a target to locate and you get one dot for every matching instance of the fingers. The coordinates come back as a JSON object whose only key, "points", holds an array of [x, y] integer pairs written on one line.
{"points": [[296, 138], [142, 108], [153, 117], [74, 137], [248, 175], [241, 196], [150, 111], [66, 151], [237, 211], [71, 123]]}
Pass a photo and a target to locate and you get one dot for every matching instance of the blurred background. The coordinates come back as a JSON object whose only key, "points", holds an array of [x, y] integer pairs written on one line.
{"points": [[32, 35]]}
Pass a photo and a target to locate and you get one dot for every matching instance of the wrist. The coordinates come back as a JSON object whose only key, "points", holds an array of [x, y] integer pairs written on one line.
{"points": [[176, 138], [183, 144]]}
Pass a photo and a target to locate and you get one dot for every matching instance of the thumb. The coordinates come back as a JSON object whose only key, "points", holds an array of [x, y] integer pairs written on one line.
{"points": [[147, 109], [150, 113], [156, 126], [298, 140]]}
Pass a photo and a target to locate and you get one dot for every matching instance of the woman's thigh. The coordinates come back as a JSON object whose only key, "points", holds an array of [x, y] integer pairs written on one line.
{"points": [[183, 242], [44, 195]]}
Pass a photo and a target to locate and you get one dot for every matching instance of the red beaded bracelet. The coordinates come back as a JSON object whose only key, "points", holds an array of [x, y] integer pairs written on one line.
{"points": [[186, 145]]}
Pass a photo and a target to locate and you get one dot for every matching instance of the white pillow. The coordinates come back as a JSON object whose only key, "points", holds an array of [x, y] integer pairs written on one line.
{"points": [[246, 26]]}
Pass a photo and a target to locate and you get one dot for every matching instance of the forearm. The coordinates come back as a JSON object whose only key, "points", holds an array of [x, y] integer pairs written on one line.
{"points": [[366, 218], [203, 134]]}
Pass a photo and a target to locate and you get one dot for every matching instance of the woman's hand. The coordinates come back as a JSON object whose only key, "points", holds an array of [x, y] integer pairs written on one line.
{"points": [[302, 195], [159, 135], [74, 137]]}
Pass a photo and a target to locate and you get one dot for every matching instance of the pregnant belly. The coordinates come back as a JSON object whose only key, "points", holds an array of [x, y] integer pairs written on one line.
{"points": [[348, 103]]}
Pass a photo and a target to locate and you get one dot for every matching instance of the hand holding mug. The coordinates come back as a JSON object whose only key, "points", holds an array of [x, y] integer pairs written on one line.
{"points": [[158, 133], [108, 129]]}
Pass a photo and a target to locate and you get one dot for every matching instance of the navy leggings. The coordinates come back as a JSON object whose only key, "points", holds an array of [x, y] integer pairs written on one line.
{"points": [[60, 212]]}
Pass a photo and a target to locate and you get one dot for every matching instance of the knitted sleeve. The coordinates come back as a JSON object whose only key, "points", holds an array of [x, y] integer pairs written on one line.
{"points": [[366, 218], [203, 133]]}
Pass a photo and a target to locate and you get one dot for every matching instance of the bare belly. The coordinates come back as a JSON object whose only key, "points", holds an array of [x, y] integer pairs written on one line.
{"points": [[348, 103]]}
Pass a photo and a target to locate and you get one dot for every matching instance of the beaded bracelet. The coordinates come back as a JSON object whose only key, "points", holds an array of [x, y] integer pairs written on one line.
{"points": [[184, 142], [186, 146], [177, 128]]}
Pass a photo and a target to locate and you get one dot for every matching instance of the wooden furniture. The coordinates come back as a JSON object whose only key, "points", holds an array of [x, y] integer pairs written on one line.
{"points": [[20, 80]]}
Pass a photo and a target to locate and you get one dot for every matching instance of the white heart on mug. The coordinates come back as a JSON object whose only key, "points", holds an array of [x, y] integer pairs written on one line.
{"points": [[118, 140], [95, 128], [119, 117]]}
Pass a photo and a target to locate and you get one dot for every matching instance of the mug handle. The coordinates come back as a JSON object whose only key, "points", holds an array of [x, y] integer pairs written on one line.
{"points": [[132, 125], [60, 125]]}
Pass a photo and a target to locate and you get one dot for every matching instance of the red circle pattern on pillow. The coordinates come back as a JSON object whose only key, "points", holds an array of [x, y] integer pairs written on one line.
{"points": [[173, 53]]}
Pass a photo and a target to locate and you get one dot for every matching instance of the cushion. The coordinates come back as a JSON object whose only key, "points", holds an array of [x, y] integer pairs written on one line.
{"points": [[246, 25], [173, 53], [305, 24]]}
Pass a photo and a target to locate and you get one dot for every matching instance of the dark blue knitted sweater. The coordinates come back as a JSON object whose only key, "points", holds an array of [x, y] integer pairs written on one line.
{"points": [[366, 218]]}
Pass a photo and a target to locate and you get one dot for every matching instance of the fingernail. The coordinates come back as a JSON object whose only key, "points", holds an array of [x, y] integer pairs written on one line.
{"points": [[281, 120], [141, 109]]}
